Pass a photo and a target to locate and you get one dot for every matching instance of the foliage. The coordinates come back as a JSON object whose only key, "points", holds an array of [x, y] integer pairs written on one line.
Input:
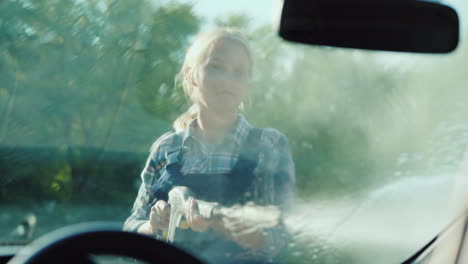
{"points": [[76, 73]]}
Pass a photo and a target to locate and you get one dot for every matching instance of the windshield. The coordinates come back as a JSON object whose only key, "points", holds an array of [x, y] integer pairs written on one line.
{"points": [[367, 145]]}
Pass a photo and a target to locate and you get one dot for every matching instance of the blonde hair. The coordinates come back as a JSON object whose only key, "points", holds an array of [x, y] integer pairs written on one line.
{"points": [[195, 56]]}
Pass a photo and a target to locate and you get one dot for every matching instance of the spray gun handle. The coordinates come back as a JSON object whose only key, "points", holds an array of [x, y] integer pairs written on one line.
{"points": [[177, 199]]}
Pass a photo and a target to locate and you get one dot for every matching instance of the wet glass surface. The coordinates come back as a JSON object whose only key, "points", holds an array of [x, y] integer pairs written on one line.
{"points": [[87, 86]]}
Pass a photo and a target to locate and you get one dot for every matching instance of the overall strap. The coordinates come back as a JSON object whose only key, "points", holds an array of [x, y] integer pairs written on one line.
{"points": [[250, 147], [241, 177], [172, 175]]}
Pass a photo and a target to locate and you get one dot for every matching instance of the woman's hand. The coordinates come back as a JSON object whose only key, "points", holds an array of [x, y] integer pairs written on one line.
{"points": [[245, 236], [159, 216], [197, 222]]}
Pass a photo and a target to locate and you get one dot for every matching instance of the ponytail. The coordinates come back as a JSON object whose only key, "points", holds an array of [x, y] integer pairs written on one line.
{"points": [[183, 121]]}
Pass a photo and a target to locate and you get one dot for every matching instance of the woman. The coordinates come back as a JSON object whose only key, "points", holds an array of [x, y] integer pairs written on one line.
{"points": [[217, 153]]}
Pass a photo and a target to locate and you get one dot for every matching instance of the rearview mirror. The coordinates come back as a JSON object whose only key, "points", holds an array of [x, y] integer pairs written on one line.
{"points": [[390, 25]]}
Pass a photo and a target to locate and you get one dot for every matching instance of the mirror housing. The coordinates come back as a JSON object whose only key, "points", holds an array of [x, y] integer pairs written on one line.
{"points": [[388, 25]]}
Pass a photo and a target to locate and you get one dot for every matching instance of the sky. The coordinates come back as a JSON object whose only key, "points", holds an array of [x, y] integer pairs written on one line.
{"points": [[263, 10], [462, 9]]}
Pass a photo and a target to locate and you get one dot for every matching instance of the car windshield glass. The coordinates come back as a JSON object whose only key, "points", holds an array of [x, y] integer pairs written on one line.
{"points": [[311, 154]]}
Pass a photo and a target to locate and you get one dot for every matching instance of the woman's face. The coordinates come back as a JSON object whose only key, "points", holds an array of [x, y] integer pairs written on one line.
{"points": [[223, 79]]}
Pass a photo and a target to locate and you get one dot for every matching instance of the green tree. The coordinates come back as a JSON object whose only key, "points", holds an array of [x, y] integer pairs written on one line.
{"points": [[85, 70]]}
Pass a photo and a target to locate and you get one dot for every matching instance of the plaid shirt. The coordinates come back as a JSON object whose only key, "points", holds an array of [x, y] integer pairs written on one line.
{"points": [[274, 175]]}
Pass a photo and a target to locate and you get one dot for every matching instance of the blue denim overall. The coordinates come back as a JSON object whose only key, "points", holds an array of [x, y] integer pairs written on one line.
{"points": [[235, 187]]}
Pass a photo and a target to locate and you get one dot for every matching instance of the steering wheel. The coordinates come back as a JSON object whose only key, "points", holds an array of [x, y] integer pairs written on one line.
{"points": [[73, 244]]}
